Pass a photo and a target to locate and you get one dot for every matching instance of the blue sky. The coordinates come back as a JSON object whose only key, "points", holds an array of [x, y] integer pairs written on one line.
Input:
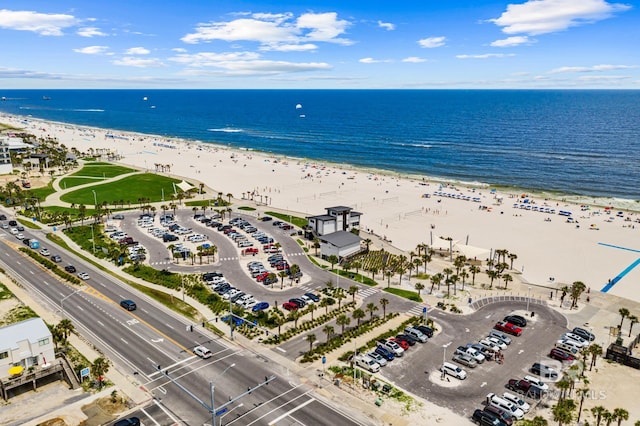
{"points": [[486, 44]]}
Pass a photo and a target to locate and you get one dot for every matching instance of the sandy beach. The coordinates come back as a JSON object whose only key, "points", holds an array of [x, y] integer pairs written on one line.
{"points": [[596, 247]]}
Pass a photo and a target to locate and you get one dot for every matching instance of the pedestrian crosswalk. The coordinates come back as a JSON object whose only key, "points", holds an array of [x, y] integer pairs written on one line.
{"points": [[418, 310], [366, 292], [307, 288]]}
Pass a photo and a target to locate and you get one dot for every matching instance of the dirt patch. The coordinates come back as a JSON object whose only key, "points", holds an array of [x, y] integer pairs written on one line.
{"points": [[104, 410], [54, 422]]}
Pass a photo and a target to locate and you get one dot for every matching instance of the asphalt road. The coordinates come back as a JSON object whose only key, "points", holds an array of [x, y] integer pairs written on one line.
{"points": [[152, 335]]}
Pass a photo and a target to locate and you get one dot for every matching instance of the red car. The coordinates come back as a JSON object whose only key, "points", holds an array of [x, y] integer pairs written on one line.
{"points": [[402, 343], [282, 266], [251, 250], [290, 306], [507, 327], [262, 277], [560, 355]]}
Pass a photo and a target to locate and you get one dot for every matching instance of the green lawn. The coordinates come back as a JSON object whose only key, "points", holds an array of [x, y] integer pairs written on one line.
{"points": [[129, 189], [407, 294], [70, 182], [40, 193], [102, 170]]}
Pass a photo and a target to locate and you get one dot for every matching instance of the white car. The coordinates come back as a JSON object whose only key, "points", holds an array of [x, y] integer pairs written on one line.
{"points": [[537, 382], [519, 402], [499, 343], [202, 352], [45, 252], [453, 370], [20, 236], [83, 275], [377, 358], [575, 338], [228, 295], [489, 345], [14, 231]]}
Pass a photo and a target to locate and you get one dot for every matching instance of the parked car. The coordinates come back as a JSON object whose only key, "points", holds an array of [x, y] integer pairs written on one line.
{"points": [[585, 334], [428, 331], [574, 337], [489, 345], [314, 297], [499, 343], [386, 353], [416, 334], [453, 370], [202, 352], [519, 402], [484, 418], [128, 304], [502, 415], [544, 371], [465, 360], [260, 306], [392, 346], [131, 421], [472, 352], [505, 405], [518, 320], [500, 335], [524, 388], [537, 382], [377, 358], [290, 306], [403, 341], [367, 363], [508, 328]]}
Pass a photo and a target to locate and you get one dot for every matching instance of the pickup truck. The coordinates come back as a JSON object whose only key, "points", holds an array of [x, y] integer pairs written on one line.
{"points": [[508, 328], [525, 388], [391, 346], [473, 353], [367, 363]]}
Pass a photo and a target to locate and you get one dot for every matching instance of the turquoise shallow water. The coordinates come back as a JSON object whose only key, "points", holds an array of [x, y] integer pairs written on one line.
{"points": [[575, 142]]}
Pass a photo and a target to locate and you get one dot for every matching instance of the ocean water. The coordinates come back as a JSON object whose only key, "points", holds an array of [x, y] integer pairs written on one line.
{"points": [[573, 142]]}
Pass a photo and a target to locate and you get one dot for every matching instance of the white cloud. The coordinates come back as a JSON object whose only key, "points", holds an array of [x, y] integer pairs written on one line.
{"points": [[275, 31], [90, 32], [595, 68], [137, 51], [512, 41], [602, 77], [179, 50], [289, 47], [241, 64], [414, 59], [92, 50], [547, 16], [485, 56], [372, 61], [431, 42], [132, 61], [386, 25], [47, 24]]}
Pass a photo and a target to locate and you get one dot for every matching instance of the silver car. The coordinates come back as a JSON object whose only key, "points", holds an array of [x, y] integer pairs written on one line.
{"points": [[466, 360], [377, 358]]}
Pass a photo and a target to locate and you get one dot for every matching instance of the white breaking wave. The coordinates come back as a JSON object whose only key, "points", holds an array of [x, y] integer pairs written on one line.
{"points": [[226, 130], [88, 110]]}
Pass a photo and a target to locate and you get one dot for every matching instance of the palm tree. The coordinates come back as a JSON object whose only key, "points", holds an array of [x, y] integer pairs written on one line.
{"points": [[507, 279], [282, 275], [583, 393], [340, 295], [384, 302], [66, 327], [374, 271], [463, 276], [563, 411], [389, 274], [563, 384], [99, 368], [357, 265], [325, 303], [277, 320], [447, 272], [620, 414], [56, 335], [328, 330], [598, 412], [312, 307], [333, 259], [357, 315], [595, 350], [294, 316], [419, 287], [633, 320], [624, 312], [343, 321], [458, 263], [367, 242], [492, 274], [536, 421], [371, 308], [311, 338], [352, 292], [512, 257], [435, 280], [473, 269], [577, 288]]}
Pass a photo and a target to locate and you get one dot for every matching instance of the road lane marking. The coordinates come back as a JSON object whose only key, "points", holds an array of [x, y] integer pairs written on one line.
{"points": [[169, 325], [31, 272], [281, 350], [264, 404], [175, 420], [100, 322], [148, 416], [172, 365], [124, 341], [304, 404]]}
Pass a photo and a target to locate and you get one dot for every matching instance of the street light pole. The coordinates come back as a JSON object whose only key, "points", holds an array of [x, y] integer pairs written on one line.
{"points": [[444, 359], [213, 390], [528, 298], [66, 297], [93, 239]]}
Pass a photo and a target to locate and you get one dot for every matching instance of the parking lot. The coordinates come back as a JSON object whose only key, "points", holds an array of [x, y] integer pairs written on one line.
{"points": [[418, 370]]}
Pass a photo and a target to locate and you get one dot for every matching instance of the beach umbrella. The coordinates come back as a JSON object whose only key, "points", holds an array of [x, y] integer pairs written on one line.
{"points": [[16, 370]]}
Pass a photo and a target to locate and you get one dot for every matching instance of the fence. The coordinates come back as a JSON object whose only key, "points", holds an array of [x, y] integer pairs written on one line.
{"points": [[479, 303]]}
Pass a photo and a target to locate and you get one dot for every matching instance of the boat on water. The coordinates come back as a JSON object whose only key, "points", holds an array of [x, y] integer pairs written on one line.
{"points": [[46, 98]]}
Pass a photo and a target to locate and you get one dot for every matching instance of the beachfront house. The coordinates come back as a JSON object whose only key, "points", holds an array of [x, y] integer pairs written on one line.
{"points": [[341, 244], [25, 344], [6, 168], [339, 218]]}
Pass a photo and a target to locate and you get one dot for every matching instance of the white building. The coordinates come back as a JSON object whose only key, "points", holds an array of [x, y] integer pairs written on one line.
{"points": [[340, 244], [339, 218], [6, 168], [27, 343]]}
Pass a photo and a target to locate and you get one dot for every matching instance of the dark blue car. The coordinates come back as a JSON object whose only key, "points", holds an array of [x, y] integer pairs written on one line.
{"points": [[260, 306], [386, 353]]}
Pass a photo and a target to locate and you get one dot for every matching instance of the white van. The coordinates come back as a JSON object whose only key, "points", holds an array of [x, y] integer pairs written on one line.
{"points": [[367, 363], [519, 402], [537, 382], [567, 347], [503, 404], [453, 370]]}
